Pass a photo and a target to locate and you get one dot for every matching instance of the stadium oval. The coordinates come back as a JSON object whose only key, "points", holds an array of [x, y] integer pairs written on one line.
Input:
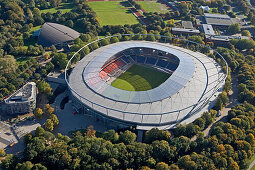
{"points": [[194, 83]]}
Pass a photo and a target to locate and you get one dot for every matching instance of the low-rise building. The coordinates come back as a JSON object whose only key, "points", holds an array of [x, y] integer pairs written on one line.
{"points": [[208, 29], [223, 39], [22, 101], [187, 24], [205, 8], [183, 31], [216, 20]]}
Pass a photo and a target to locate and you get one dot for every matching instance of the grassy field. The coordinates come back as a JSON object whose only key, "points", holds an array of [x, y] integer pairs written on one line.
{"points": [[33, 29], [64, 7], [153, 6], [113, 13], [138, 78]]}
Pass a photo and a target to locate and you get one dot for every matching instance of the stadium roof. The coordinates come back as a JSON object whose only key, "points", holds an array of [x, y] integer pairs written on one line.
{"points": [[54, 34], [190, 86]]}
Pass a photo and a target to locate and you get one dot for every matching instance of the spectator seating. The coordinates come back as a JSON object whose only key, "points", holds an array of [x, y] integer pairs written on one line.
{"points": [[151, 60], [162, 63], [141, 59]]}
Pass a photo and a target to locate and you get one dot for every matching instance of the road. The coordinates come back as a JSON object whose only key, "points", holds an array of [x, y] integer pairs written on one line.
{"points": [[233, 95]]}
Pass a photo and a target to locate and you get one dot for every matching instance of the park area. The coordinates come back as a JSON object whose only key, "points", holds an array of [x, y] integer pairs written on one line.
{"points": [[113, 12], [153, 6], [139, 78]]}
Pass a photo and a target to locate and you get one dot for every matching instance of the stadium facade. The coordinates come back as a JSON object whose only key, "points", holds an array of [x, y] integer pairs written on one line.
{"points": [[195, 82]]}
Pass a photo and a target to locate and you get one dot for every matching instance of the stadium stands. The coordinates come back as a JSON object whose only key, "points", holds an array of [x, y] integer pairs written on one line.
{"points": [[141, 59], [146, 56], [162, 63], [151, 60]]}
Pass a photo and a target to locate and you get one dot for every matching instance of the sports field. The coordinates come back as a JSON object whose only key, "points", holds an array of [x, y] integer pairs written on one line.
{"points": [[153, 6], [138, 78], [113, 12]]}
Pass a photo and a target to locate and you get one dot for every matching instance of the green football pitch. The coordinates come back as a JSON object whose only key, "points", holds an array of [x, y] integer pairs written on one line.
{"points": [[139, 78], [113, 12], [153, 6]]}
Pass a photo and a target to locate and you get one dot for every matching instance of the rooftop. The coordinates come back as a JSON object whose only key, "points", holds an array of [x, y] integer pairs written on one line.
{"points": [[221, 16], [220, 19], [187, 25], [189, 87], [208, 29], [23, 94], [195, 31], [54, 34]]}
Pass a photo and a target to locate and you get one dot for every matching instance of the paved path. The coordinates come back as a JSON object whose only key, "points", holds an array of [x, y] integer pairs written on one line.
{"points": [[70, 122], [251, 165]]}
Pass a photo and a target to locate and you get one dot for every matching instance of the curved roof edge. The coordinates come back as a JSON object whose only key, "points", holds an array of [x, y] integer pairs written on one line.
{"points": [[53, 34]]}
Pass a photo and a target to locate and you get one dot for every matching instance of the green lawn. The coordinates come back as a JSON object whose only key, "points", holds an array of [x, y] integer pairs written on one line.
{"points": [[64, 7], [33, 29], [113, 13], [153, 6], [139, 78]]}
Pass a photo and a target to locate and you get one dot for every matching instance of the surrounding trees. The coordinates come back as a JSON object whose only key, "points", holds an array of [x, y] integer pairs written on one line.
{"points": [[38, 113], [234, 28], [230, 144], [49, 125], [2, 152], [44, 87]]}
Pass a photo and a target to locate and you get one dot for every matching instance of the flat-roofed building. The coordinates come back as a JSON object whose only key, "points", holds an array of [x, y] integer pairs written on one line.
{"points": [[187, 24], [208, 29], [219, 20], [185, 31], [22, 101], [223, 39]]}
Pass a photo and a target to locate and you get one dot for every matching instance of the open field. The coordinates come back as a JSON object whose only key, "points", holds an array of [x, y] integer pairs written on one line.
{"points": [[138, 78], [113, 13], [64, 7], [153, 6]]}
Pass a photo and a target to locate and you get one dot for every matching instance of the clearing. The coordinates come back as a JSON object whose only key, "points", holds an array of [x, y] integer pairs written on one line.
{"points": [[64, 7]]}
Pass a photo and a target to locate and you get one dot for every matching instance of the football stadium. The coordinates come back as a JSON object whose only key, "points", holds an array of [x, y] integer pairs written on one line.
{"points": [[144, 84]]}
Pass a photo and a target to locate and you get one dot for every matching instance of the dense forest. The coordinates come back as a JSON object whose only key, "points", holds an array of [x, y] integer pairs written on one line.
{"points": [[229, 146]]}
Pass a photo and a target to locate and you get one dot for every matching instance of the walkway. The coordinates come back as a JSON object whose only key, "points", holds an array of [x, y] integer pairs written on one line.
{"points": [[71, 122]]}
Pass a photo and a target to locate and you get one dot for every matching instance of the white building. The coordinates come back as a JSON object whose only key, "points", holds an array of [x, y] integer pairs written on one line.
{"points": [[22, 101]]}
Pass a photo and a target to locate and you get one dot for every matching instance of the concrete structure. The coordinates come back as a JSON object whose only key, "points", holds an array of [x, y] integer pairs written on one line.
{"points": [[216, 20], [208, 29], [205, 8], [196, 80], [22, 101], [222, 39], [56, 34], [187, 24], [56, 77], [184, 31], [219, 20]]}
